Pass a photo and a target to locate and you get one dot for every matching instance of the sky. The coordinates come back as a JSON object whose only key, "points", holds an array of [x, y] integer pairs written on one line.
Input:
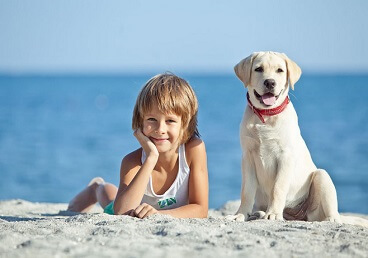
{"points": [[193, 36]]}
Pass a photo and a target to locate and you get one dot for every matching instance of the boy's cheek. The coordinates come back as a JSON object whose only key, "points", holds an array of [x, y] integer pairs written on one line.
{"points": [[147, 130]]}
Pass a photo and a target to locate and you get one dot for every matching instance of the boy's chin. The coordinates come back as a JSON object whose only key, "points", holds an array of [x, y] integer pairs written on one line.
{"points": [[163, 149]]}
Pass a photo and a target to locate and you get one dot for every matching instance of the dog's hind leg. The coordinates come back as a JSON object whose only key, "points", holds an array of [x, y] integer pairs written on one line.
{"points": [[323, 198]]}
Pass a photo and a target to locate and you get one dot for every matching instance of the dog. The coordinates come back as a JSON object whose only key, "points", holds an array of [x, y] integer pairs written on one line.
{"points": [[279, 179]]}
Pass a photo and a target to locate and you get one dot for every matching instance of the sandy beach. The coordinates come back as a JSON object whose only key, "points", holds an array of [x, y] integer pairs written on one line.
{"points": [[29, 229]]}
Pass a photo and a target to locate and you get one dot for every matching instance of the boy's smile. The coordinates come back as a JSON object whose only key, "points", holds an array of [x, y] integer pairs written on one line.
{"points": [[158, 141]]}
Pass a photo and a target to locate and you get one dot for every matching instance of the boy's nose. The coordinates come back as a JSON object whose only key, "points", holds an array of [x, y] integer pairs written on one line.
{"points": [[161, 128]]}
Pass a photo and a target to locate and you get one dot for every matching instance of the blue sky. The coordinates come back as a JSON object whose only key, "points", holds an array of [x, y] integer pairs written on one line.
{"points": [[206, 36]]}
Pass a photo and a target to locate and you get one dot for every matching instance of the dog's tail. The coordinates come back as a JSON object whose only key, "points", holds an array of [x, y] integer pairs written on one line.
{"points": [[354, 220]]}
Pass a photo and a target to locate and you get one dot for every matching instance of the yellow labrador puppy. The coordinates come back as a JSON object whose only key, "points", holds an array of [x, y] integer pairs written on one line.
{"points": [[279, 179]]}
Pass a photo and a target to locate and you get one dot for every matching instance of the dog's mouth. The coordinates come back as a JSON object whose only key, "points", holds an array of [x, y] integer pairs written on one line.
{"points": [[267, 99]]}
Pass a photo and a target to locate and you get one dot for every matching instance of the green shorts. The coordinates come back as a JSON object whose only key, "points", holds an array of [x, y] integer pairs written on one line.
{"points": [[109, 209]]}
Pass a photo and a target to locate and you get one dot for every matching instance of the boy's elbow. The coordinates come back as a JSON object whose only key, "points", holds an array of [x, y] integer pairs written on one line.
{"points": [[202, 212], [203, 215], [120, 210], [115, 209]]}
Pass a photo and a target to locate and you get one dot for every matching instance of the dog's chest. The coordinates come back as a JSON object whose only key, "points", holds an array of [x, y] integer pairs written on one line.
{"points": [[265, 145]]}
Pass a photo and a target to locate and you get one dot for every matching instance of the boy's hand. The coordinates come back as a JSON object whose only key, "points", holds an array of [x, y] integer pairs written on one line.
{"points": [[147, 145], [144, 210]]}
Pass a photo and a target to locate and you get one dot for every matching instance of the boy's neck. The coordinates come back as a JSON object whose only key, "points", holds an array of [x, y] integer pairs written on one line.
{"points": [[167, 161]]}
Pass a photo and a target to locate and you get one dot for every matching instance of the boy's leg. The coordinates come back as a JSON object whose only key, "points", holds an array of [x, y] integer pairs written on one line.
{"points": [[85, 200], [106, 193]]}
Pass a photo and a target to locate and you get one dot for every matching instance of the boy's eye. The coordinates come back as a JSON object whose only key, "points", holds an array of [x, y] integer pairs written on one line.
{"points": [[151, 119], [171, 121]]}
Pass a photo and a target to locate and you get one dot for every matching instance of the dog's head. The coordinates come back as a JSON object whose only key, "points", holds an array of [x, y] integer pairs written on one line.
{"points": [[267, 76]]}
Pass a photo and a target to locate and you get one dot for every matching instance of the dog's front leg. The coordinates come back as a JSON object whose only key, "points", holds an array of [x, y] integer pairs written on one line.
{"points": [[281, 187], [249, 187]]}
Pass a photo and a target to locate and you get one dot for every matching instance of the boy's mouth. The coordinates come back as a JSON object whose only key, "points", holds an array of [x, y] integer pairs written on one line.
{"points": [[158, 140]]}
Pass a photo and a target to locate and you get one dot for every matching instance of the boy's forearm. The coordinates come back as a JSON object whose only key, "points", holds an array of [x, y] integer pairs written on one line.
{"points": [[188, 211], [132, 195]]}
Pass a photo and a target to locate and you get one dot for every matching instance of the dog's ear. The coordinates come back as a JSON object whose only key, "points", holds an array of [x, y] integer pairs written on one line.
{"points": [[293, 70], [244, 68]]}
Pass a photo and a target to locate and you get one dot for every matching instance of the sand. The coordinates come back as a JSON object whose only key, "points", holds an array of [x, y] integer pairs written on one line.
{"points": [[29, 229]]}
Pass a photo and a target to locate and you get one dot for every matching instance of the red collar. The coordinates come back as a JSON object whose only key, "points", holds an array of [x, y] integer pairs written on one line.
{"points": [[268, 112]]}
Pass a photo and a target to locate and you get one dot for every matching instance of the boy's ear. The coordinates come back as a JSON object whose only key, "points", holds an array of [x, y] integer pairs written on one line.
{"points": [[293, 70], [244, 68]]}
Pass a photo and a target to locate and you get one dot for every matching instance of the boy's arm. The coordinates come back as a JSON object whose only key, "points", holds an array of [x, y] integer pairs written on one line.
{"points": [[198, 183], [133, 182], [133, 177]]}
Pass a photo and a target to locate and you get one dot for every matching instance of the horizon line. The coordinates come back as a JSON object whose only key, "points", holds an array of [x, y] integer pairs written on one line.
{"points": [[145, 73]]}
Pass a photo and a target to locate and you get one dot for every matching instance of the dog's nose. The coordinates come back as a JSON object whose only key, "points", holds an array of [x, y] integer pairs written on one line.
{"points": [[270, 84]]}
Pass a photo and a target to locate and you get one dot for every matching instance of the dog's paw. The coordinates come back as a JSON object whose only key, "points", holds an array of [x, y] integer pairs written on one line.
{"points": [[273, 216], [257, 215], [236, 217], [336, 219]]}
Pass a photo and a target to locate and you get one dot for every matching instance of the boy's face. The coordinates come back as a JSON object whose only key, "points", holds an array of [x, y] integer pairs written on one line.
{"points": [[164, 130]]}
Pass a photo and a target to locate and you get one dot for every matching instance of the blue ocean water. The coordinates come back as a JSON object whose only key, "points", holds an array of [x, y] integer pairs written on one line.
{"points": [[57, 132]]}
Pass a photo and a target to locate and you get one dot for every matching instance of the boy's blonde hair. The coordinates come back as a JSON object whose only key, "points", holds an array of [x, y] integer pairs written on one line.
{"points": [[172, 95]]}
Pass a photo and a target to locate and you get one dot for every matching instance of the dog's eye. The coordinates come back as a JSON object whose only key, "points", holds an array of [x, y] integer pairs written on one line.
{"points": [[259, 69], [280, 70]]}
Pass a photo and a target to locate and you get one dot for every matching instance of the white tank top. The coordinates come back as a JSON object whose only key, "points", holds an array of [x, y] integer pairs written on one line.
{"points": [[177, 194]]}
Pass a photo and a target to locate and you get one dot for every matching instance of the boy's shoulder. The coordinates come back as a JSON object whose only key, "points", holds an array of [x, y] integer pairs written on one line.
{"points": [[133, 158], [194, 147], [195, 151], [194, 142]]}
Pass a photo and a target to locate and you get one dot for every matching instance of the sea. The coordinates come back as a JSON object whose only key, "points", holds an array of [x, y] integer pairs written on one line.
{"points": [[59, 131]]}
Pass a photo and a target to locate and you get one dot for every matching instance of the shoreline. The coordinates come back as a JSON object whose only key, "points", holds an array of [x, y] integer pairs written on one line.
{"points": [[30, 229]]}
